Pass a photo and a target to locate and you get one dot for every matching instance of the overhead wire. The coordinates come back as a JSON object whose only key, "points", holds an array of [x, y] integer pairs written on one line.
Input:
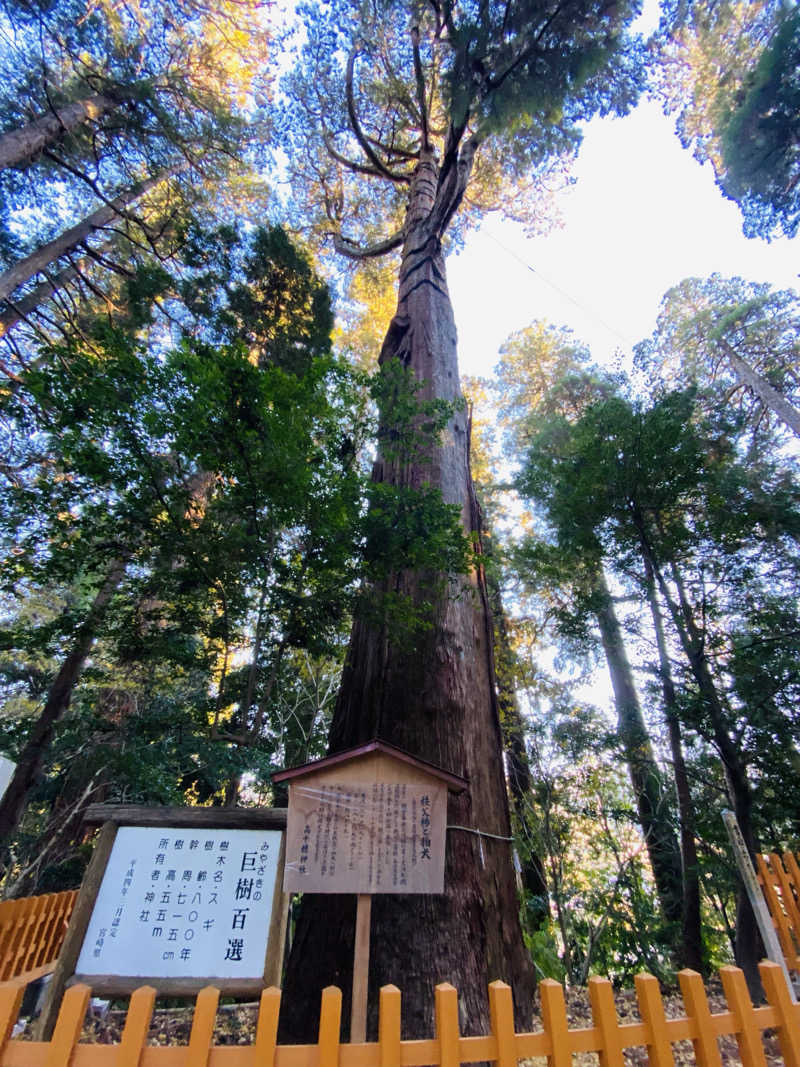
{"points": [[627, 341]]}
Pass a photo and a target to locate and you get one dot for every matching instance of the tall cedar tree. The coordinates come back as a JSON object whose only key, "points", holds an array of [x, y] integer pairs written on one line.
{"points": [[397, 114]]}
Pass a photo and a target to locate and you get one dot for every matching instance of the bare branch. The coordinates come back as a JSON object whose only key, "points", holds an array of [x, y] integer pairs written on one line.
{"points": [[356, 126], [348, 248], [419, 78], [358, 168]]}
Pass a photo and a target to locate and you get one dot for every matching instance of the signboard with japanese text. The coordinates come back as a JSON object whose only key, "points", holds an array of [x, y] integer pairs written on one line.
{"points": [[372, 826], [175, 903], [177, 898]]}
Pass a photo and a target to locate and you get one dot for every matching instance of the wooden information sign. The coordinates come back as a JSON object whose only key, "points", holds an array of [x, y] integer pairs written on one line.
{"points": [[177, 898], [368, 820]]}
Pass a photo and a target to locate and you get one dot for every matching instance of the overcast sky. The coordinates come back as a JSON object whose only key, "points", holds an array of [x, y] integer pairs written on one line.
{"points": [[642, 215]]}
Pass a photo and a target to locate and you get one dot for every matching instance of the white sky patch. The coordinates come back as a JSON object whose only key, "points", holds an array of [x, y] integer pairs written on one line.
{"points": [[642, 216]]}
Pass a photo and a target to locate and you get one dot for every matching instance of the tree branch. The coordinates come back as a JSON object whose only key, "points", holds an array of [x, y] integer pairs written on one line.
{"points": [[356, 127], [359, 168], [419, 78], [346, 247]]}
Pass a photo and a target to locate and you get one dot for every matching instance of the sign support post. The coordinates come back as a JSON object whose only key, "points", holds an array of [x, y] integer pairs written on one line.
{"points": [[358, 1007], [366, 820]]}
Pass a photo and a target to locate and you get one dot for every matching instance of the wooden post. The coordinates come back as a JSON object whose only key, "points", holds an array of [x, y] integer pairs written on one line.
{"points": [[73, 940], [769, 936], [358, 1007]]}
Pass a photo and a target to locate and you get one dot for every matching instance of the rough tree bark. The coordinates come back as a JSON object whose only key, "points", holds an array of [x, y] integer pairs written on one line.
{"points": [[30, 759], [436, 700], [648, 786], [691, 924], [23, 145]]}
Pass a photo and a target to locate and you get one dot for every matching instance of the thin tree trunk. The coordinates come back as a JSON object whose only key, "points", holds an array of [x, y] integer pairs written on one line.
{"points": [[437, 700], [31, 265], [520, 780], [691, 924], [30, 760], [748, 942], [20, 310], [23, 145], [648, 786], [769, 396]]}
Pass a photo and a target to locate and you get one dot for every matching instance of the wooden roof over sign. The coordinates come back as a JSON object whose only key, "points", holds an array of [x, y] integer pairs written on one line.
{"points": [[455, 783]]}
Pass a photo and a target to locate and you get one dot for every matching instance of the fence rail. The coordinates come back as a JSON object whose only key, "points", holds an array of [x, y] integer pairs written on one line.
{"points": [[780, 880], [448, 1048], [31, 933]]}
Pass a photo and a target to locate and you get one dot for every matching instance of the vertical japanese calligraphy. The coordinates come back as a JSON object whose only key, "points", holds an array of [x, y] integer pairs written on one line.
{"points": [[368, 837], [178, 903]]}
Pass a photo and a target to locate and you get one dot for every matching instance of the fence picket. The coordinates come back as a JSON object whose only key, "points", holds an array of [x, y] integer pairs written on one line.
{"points": [[137, 1024], [651, 1008], [17, 932], [48, 934], [501, 1013], [447, 1049], [706, 1049], [604, 1013], [32, 931], [68, 1026], [768, 881], [748, 1035], [202, 1033], [330, 1022], [793, 870], [389, 1022], [447, 1031], [555, 1023], [8, 909], [267, 1028], [788, 1013], [38, 950], [789, 905], [10, 999]]}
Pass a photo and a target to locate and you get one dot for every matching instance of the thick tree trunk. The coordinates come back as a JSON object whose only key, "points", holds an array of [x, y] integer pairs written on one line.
{"points": [[691, 924], [31, 265], [30, 760], [436, 700], [766, 393], [648, 787], [23, 145]]}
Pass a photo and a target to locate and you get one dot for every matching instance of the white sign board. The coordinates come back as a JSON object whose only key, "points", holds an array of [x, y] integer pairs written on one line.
{"points": [[183, 903]]}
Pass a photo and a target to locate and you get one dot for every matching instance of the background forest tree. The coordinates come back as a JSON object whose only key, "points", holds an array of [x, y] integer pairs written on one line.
{"points": [[203, 494]]}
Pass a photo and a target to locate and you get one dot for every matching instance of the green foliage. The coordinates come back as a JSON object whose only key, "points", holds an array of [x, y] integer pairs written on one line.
{"points": [[224, 460], [516, 80], [759, 138], [701, 322], [729, 70]]}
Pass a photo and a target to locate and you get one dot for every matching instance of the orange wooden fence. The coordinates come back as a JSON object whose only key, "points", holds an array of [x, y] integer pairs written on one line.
{"points": [[780, 880], [504, 1046], [31, 932]]}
